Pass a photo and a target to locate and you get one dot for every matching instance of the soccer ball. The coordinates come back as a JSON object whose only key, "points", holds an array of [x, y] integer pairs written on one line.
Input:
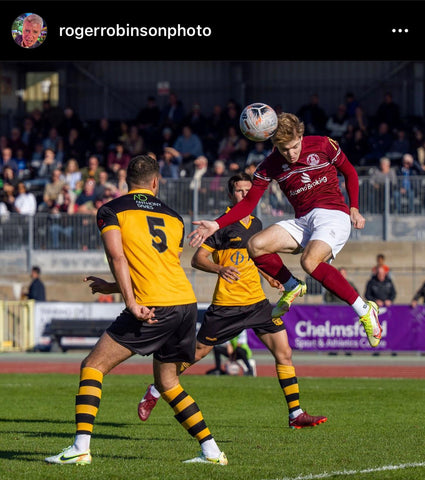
{"points": [[258, 122], [232, 368]]}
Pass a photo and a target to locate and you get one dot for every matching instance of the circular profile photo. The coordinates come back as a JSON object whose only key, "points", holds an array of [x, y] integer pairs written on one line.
{"points": [[29, 30]]}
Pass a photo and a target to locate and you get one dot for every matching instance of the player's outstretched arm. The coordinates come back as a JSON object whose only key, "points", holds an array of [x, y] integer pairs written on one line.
{"points": [[205, 229], [99, 285]]}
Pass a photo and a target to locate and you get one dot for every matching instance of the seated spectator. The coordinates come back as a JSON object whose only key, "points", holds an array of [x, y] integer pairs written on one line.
{"points": [[135, 144], [189, 145], [48, 164], [65, 202], [121, 182], [9, 177], [52, 139], [378, 181], [380, 289], [169, 163], [313, 116], [337, 123], [238, 158], [92, 169], [15, 141], [74, 146], [399, 146], [101, 184], [109, 193], [118, 158], [51, 191], [28, 135], [25, 202], [257, 154], [380, 142], [72, 174], [8, 160], [228, 144], [86, 201], [201, 169]]}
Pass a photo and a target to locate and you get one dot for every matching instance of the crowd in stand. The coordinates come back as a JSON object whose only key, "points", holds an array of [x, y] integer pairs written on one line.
{"points": [[80, 165]]}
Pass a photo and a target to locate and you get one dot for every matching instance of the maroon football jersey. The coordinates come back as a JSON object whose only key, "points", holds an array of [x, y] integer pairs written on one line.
{"points": [[311, 182]]}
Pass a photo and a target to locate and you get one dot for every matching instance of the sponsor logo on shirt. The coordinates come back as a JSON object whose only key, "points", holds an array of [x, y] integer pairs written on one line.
{"points": [[307, 186]]}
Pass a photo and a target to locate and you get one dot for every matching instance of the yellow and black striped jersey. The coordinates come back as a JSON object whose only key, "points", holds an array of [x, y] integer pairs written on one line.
{"points": [[228, 248], [152, 236]]}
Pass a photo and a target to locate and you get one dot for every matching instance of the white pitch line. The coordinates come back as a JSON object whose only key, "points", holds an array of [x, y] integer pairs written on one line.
{"points": [[354, 472]]}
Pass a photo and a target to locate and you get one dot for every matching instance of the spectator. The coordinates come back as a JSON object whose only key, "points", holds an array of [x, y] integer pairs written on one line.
{"points": [[378, 181], [72, 174], [70, 121], [231, 115], [356, 145], [104, 131], [8, 160], [134, 145], [65, 202], [149, 116], [388, 112], [74, 145], [418, 295], [29, 134], [228, 144], [218, 174], [239, 156], [36, 290], [330, 297], [257, 154], [86, 201], [118, 158], [201, 168], [173, 113], [169, 163], [196, 120], [51, 191], [400, 146], [25, 202], [215, 131], [189, 145], [15, 141], [52, 139], [380, 143], [92, 169], [313, 116], [337, 123], [380, 262], [121, 182], [407, 189], [49, 164], [99, 189], [351, 104], [359, 121], [9, 178], [380, 289]]}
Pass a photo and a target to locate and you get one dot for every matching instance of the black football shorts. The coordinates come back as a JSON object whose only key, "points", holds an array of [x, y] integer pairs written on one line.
{"points": [[171, 339], [221, 323]]}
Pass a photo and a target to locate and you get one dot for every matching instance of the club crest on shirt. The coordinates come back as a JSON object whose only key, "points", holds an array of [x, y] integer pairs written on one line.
{"points": [[313, 159]]}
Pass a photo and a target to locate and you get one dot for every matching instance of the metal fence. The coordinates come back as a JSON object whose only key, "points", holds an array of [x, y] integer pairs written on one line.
{"points": [[392, 213]]}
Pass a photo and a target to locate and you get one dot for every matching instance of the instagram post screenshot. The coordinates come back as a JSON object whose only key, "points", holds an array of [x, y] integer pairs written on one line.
{"points": [[212, 239]]}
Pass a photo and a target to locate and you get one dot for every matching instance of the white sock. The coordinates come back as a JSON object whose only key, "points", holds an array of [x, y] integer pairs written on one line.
{"points": [[155, 392], [291, 284], [82, 443], [360, 307], [210, 449], [296, 413]]}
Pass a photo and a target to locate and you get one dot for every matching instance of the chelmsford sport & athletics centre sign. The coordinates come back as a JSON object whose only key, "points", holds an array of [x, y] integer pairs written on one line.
{"points": [[337, 327]]}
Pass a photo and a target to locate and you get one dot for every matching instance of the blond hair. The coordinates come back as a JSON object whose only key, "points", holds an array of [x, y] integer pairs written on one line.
{"points": [[288, 128]]}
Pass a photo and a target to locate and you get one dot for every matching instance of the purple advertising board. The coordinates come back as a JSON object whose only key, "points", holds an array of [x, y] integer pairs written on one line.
{"points": [[337, 327]]}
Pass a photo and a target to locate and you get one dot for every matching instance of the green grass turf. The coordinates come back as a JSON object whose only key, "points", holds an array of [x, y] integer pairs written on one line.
{"points": [[373, 424]]}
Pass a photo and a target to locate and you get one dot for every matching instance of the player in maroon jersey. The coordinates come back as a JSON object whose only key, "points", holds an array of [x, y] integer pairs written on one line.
{"points": [[306, 170]]}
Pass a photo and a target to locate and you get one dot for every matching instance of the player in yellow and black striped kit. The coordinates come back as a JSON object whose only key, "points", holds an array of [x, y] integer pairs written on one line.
{"points": [[143, 239], [240, 303]]}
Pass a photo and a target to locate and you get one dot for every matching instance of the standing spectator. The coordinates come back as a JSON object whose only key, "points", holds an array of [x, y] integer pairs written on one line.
{"points": [[380, 262], [25, 202], [36, 290], [380, 289], [418, 295], [351, 104]]}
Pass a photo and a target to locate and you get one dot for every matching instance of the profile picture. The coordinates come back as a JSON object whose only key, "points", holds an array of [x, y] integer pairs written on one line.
{"points": [[29, 30]]}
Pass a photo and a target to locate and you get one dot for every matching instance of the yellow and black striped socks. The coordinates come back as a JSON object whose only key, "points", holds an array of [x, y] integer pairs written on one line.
{"points": [[187, 413], [289, 384], [88, 399]]}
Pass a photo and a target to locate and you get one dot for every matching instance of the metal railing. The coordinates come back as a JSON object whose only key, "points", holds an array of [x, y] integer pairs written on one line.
{"points": [[390, 212]]}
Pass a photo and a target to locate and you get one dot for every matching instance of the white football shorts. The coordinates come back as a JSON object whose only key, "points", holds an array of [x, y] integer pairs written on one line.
{"points": [[331, 226]]}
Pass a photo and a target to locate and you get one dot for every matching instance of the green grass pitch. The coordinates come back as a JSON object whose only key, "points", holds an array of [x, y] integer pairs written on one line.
{"points": [[375, 430]]}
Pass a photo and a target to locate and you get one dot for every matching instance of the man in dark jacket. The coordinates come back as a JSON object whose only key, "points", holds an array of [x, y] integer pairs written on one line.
{"points": [[36, 289], [380, 289]]}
